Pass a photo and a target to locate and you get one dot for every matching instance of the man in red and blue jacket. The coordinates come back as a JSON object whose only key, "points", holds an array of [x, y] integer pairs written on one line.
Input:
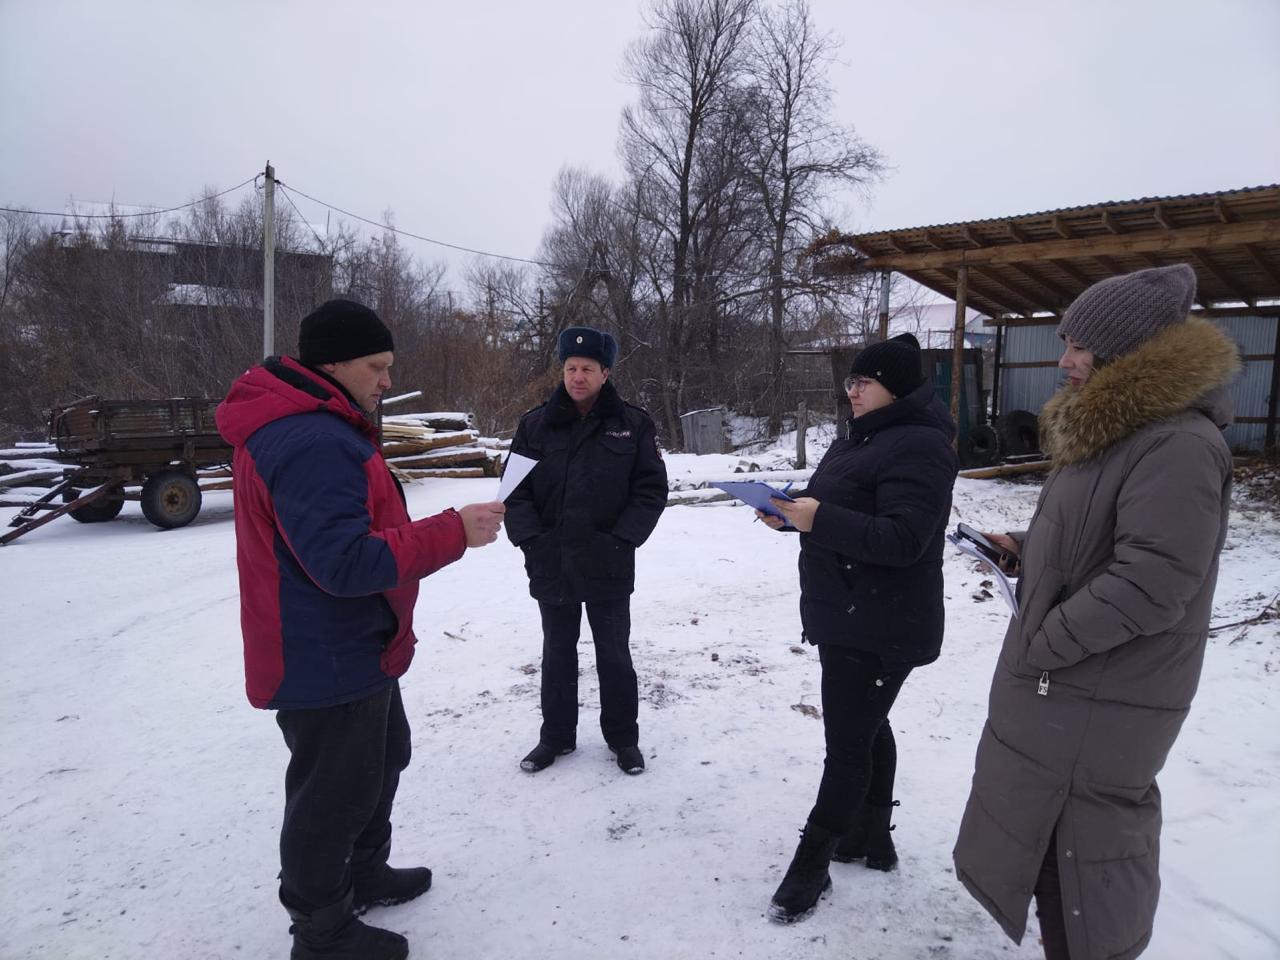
{"points": [[329, 565]]}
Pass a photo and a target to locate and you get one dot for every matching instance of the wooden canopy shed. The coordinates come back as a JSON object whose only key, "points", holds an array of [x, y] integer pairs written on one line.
{"points": [[1023, 271]]}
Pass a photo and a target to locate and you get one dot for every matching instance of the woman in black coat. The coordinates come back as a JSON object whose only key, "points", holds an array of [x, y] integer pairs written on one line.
{"points": [[872, 525]]}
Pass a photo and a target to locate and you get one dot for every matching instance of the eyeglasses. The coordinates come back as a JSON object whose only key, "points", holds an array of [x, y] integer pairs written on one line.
{"points": [[857, 384]]}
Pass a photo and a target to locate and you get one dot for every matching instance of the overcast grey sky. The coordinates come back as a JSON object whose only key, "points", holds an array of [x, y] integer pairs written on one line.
{"points": [[457, 116]]}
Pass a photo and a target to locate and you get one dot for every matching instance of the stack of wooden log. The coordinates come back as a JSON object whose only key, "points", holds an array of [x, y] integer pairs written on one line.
{"points": [[421, 445], [415, 445]]}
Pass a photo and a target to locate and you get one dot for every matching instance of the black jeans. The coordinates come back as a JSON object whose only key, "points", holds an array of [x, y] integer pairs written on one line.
{"points": [[619, 700], [862, 758], [344, 768], [1053, 922]]}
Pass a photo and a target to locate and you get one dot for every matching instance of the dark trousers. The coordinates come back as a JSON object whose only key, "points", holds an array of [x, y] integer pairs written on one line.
{"points": [[862, 758], [1053, 922], [619, 700], [344, 767]]}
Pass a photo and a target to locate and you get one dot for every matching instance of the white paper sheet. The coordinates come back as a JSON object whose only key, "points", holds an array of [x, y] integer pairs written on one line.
{"points": [[1006, 588], [517, 469]]}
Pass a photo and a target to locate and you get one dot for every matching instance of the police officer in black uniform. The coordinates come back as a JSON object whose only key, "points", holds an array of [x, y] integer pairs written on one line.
{"points": [[595, 496]]}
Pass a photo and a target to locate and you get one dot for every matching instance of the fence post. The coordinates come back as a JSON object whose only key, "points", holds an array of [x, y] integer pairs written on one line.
{"points": [[802, 424]]}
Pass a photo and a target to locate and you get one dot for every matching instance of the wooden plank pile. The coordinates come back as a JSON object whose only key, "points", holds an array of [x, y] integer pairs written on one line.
{"points": [[26, 468], [422, 445], [415, 445]]}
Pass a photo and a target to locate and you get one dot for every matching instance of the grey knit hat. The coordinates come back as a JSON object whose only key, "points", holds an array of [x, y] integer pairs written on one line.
{"points": [[1118, 314]]}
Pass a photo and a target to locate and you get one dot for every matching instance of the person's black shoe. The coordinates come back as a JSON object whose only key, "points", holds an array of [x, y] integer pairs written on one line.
{"points": [[853, 845], [630, 760], [388, 886], [807, 879], [869, 839], [881, 854], [333, 933], [543, 756], [356, 941]]}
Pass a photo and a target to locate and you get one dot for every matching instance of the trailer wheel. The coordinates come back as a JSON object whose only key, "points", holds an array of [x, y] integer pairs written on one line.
{"points": [[170, 498], [100, 511]]}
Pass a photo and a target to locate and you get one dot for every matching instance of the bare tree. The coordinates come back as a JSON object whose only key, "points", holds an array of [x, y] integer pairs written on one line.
{"points": [[798, 155], [686, 69]]}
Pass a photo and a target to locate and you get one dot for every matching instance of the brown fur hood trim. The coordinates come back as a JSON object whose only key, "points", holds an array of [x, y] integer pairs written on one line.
{"points": [[1160, 379]]}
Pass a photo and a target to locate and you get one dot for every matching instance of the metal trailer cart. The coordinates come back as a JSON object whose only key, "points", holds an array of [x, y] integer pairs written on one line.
{"points": [[110, 443]]}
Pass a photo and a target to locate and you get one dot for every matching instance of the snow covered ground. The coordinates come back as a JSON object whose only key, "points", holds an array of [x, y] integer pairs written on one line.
{"points": [[141, 794]]}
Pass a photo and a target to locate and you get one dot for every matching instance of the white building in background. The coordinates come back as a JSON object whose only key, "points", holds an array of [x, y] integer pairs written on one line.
{"points": [[933, 324]]}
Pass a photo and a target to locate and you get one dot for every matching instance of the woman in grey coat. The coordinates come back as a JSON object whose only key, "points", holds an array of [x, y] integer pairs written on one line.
{"points": [[1097, 673]]}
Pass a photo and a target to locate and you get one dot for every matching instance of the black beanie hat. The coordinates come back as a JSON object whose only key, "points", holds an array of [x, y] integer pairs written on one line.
{"points": [[895, 363], [341, 330], [590, 343]]}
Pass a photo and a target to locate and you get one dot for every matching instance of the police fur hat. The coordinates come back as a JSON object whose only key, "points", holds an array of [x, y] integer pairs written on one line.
{"points": [[590, 343]]}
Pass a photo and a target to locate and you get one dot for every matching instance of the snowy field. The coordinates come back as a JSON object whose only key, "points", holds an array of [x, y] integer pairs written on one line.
{"points": [[142, 794]]}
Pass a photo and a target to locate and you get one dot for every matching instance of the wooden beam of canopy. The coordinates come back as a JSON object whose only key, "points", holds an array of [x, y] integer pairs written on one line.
{"points": [[1205, 237]]}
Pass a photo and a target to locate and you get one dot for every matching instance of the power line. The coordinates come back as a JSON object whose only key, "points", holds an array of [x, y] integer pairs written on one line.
{"points": [[319, 240], [415, 236], [125, 216], [688, 274]]}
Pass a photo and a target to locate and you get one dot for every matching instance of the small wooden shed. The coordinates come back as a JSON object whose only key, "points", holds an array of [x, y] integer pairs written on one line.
{"points": [[704, 430]]}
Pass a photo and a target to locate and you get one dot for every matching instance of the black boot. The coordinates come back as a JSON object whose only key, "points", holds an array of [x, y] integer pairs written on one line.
{"points": [[807, 878], [630, 760], [880, 852], [853, 845], [333, 933], [375, 884], [543, 756]]}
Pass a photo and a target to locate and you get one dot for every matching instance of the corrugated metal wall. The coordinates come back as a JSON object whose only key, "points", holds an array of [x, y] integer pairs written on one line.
{"points": [[1252, 390], [1027, 388]]}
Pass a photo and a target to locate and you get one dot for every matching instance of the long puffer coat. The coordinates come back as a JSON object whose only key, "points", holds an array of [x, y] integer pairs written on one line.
{"points": [[1097, 673]]}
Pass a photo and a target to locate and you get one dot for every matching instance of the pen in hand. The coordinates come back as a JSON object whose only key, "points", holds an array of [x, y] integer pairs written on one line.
{"points": [[759, 514]]}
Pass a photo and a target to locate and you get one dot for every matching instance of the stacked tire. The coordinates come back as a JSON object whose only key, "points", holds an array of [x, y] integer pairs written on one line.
{"points": [[1020, 433], [982, 447]]}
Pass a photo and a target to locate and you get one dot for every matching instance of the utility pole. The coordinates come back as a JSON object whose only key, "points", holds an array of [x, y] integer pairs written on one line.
{"points": [[269, 264]]}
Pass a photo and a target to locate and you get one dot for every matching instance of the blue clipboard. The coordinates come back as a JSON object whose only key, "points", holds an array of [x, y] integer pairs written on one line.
{"points": [[755, 493]]}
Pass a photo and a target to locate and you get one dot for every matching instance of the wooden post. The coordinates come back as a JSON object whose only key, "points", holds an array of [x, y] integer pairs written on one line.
{"points": [[269, 264], [802, 424], [1269, 444], [884, 305], [957, 348], [995, 372]]}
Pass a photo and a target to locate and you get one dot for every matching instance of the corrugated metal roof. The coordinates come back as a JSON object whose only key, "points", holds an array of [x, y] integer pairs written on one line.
{"points": [[1035, 264], [1084, 208]]}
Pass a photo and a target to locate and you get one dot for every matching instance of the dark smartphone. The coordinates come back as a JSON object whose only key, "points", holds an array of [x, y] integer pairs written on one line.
{"points": [[988, 548]]}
